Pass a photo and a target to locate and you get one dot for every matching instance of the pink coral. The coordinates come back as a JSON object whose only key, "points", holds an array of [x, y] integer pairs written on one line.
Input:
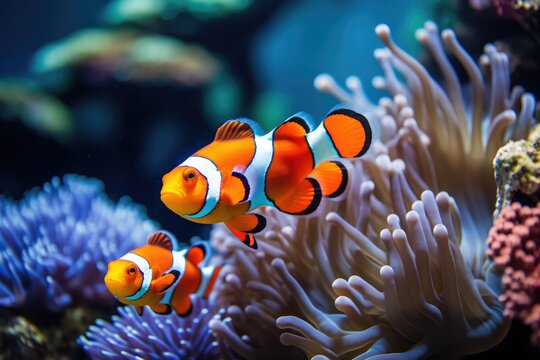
{"points": [[514, 245]]}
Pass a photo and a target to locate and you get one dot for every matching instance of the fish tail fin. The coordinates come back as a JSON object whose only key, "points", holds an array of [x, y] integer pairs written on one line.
{"points": [[332, 177], [343, 133]]}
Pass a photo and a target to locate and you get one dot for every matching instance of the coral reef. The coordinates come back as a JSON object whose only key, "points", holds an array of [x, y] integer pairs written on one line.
{"points": [[418, 282], [514, 247], [20, 339], [55, 243], [153, 336], [46, 335], [525, 12], [130, 55], [517, 171]]}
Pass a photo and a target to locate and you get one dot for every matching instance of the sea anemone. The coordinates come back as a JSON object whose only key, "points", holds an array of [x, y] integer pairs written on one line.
{"points": [[419, 282], [514, 247], [56, 242], [153, 336]]}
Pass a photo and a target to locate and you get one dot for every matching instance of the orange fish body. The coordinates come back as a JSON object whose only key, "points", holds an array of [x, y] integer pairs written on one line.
{"points": [[291, 168], [160, 277]]}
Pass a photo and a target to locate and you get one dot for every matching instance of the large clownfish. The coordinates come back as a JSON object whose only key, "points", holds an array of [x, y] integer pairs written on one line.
{"points": [[291, 168], [160, 277]]}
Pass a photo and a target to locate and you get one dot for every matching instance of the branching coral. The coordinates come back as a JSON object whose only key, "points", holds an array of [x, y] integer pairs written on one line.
{"points": [[55, 243], [129, 55], [514, 246], [153, 336], [417, 280]]}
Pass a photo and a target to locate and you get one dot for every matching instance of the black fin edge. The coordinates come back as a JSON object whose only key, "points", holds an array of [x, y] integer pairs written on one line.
{"points": [[344, 181], [245, 182], [247, 241], [317, 197], [188, 312], [176, 274], [166, 312], [261, 224], [365, 124]]}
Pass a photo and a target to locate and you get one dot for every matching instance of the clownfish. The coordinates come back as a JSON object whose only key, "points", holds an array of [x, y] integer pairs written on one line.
{"points": [[161, 277], [291, 168]]}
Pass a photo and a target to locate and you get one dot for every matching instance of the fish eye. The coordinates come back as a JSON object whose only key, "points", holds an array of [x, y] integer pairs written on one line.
{"points": [[131, 270], [189, 175]]}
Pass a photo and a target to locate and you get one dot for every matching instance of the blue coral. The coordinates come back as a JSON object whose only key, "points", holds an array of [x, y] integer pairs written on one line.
{"points": [[153, 336], [56, 242]]}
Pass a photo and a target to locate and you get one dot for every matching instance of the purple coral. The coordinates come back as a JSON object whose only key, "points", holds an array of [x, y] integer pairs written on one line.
{"points": [[153, 336], [55, 243], [514, 245]]}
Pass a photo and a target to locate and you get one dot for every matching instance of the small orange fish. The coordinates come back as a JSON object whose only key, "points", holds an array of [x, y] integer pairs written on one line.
{"points": [[160, 277], [291, 168]]}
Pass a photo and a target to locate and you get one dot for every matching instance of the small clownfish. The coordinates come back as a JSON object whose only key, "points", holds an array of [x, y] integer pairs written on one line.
{"points": [[291, 168], [161, 277]]}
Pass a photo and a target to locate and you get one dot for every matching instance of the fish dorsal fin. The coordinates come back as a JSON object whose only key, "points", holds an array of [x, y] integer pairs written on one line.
{"points": [[237, 189], [238, 129], [296, 126], [162, 239], [197, 253]]}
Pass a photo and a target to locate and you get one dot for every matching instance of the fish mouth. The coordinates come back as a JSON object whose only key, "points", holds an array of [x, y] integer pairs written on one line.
{"points": [[171, 199], [168, 194], [112, 284]]}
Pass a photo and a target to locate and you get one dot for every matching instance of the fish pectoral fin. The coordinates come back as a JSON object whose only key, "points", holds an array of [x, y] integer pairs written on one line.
{"points": [[332, 176], [237, 189], [181, 303], [303, 200], [244, 237], [162, 309], [164, 282], [139, 310]]}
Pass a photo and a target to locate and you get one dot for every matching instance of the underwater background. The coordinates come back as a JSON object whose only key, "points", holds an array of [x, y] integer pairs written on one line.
{"points": [[434, 252]]}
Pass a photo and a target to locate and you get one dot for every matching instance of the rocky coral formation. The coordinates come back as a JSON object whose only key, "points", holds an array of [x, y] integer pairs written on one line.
{"points": [[378, 278], [517, 171], [514, 246], [55, 243], [525, 12]]}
